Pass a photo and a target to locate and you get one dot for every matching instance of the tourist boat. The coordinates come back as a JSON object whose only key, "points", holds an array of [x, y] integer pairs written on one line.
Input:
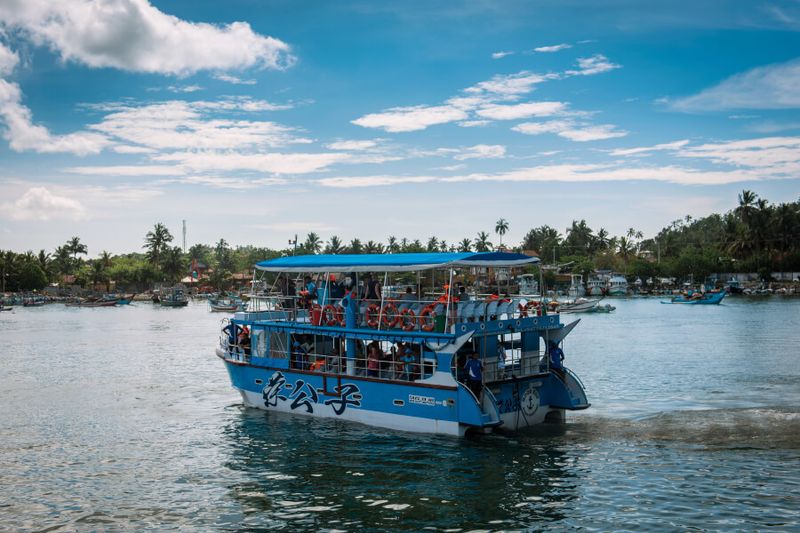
{"points": [[400, 364], [34, 302], [692, 298], [617, 286], [174, 297], [595, 287]]}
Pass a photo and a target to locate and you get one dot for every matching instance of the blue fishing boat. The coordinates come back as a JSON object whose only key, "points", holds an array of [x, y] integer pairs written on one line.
{"points": [[434, 365], [698, 298], [174, 297]]}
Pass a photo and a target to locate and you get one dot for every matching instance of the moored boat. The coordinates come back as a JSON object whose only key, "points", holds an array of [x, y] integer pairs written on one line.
{"points": [[174, 297], [694, 298], [617, 286], [434, 366]]}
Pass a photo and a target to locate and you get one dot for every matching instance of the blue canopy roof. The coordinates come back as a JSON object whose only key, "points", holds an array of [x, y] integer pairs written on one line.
{"points": [[393, 262]]}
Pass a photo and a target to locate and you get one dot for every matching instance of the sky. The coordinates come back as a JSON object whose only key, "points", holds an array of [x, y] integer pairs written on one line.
{"points": [[258, 120]]}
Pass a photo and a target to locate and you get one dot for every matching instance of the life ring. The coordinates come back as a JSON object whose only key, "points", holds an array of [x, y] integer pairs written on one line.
{"points": [[428, 311], [408, 319], [372, 315], [390, 316], [329, 315], [523, 310]]}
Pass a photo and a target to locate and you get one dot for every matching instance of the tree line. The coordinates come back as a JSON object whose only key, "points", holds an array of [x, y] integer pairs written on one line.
{"points": [[756, 236]]}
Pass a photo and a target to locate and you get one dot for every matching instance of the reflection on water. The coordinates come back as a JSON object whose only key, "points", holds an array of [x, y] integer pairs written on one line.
{"points": [[123, 419]]}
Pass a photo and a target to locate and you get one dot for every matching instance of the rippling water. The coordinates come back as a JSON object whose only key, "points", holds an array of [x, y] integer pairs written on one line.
{"points": [[122, 419]]}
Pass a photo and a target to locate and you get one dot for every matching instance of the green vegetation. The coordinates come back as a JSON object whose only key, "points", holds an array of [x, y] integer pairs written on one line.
{"points": [[755, 237]]}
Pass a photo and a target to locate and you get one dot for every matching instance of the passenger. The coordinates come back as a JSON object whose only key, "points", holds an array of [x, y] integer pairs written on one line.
{"points": [[557, 360], [299, 355], [311, 290], [462, 294], [373, 288], [244, 340], [474, 369], [337, 290], [373, 361], [407, 359], [409, 296]]}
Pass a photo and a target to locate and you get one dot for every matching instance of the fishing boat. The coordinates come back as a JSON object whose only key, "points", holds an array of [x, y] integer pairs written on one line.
{"points": [[617, 286], [4, 308], [401, 364], [34, 302], [93, 302], [174, 297], [225, 306], [576, 288], [579, 305], [698, 298], [596, 287], [528, 285]]}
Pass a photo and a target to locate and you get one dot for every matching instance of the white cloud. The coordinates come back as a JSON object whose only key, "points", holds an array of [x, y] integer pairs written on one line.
{"points": [[474, 123], [38, 203], [277, 163], [482, 151], [231, 183], [22, 134], [510, 86], [768, 87], [551, 126], [8, 60], [134, 35], [553, 48], [233, 79], [126, 170], [500, 55], [184, 88], [592, 133], [773, 154], [352, 145], [646, 149], [597, 64], [518, 111], [181, 125], [570, 130], [404, 119]]}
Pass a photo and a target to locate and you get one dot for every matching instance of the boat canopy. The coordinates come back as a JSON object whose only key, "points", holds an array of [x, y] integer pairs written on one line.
{"points": [[393, 262]]}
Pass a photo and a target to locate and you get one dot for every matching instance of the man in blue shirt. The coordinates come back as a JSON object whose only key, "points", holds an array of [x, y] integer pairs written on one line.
{"points": [[474, 369], [556, 359]]}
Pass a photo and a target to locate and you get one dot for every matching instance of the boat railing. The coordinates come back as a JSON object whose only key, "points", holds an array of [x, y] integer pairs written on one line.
{"points": [[389, 365], [516, 363], [405, 314]]}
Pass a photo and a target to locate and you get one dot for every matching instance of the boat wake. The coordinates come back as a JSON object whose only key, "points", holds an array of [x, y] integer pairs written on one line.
{"points": [[745, 428]]}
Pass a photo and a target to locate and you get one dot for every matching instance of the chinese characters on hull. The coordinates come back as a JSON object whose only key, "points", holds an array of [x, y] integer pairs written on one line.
{"points": [[304, 395]]}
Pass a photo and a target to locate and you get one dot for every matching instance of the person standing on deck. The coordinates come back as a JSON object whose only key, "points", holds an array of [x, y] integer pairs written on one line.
{"points": [[474, 369], [557, 359], [373, 288]]}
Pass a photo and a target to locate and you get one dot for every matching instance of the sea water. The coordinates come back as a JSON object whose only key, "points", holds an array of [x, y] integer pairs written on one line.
{"points": [[123, 419]]}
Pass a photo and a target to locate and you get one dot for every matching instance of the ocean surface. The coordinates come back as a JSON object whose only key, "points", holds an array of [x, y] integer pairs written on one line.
{"points": [[123, 419]]}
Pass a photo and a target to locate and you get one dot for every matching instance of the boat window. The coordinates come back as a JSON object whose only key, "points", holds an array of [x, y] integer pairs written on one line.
{"points": [[259, 343], [277, 345]]}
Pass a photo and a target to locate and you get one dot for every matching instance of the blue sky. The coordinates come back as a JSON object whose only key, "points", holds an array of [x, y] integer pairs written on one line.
{"points": [[258, 120]]}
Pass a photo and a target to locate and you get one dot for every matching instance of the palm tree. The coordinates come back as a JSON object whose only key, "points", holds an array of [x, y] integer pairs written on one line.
{"points": [[443, 247], [501, 228], [75, 247], [156, 242], [391, 245], [334, 245], [433, 245], [625, 248], [63, 260], [313, 243], [224, 256], [355, 247], [482, 243], [373, 247], [174, 264], [465, 245], [602, 239]]}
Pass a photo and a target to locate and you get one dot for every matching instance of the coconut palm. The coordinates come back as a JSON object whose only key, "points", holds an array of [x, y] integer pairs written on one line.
{"points": [[482, 243], [501, 228], [355, 247], [76, 247], [156, 242], [373, 247], [334, 245], [465, 245], [392, 246], [313, 243], [433, 245], [174, 263]]}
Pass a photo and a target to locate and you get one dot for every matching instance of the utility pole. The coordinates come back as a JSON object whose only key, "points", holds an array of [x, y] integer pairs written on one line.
{"points": [[184, 235], [658, 251], [294, 243]]}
